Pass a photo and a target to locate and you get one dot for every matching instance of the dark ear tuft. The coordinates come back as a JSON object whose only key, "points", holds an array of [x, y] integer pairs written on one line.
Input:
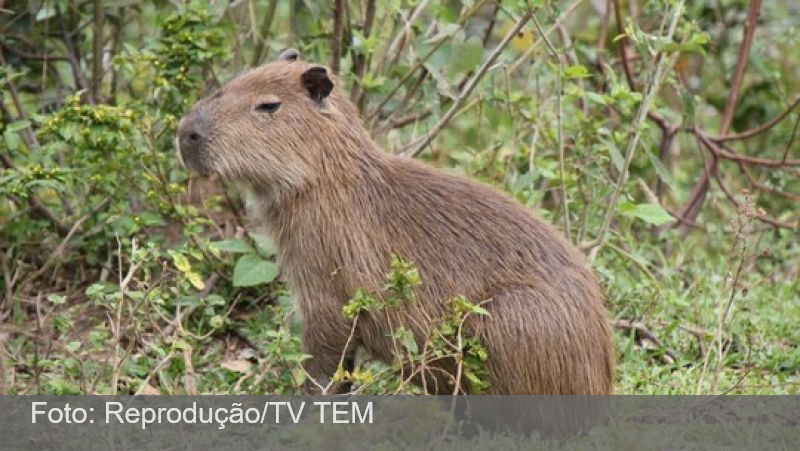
{"points": [[317, 83], [289, 54]]}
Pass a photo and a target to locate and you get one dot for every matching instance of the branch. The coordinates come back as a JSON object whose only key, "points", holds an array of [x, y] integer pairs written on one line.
{"points": [[72, 55], [420, 63], [761, 128], [336, 39], [741, 64], [692, 209], [623, 47], [652, 87], [33, 56], [723, 152], [717, 151], [644, 333], [535, 46], [97, 47], [559, 123], [414, 149], [38, 209], [263, 33], [357, 96]]}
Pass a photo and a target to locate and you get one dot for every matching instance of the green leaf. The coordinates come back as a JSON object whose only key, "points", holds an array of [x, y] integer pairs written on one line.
{"points": [[615, 154], [662, 172], [467, 56], [195, 280], [650, 213], [253, 270], [180, 261], [46, 12], [235, 245], [17, 126], [596, 98], [577, 71], [187, 301], [57, 299], [265, 245]]}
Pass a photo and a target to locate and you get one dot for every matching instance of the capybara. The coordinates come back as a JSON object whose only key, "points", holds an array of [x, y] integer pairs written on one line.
{"points": [[339, 208]]}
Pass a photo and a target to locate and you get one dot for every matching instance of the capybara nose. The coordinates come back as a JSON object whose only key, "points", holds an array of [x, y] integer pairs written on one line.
{"points": [[192, 132], [193, 137]]}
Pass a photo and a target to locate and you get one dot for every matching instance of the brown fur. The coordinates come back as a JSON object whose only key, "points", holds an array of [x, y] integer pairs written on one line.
{"points": [[339, 207]]}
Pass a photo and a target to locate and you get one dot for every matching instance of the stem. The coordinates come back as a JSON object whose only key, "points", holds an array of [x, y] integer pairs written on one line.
{"points": [[415, 149], [652, 87], [336, 39], [263, 33], [559, 122], [97, 47]]}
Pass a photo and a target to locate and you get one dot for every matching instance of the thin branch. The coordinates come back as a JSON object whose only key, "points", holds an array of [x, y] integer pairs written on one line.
{"points": [[97, 47], [741, 64], [561, 18], [791, 138], [623, 46], [644, 334], [73, 56], [398, 43], [760, 186], [420, 63], [414, 149], [722, 152], [717, 151], [33, 56], [263, 33], [692, 208], [357, 96], [336, 38], [761, 128], [559, 122], [650, 92]]}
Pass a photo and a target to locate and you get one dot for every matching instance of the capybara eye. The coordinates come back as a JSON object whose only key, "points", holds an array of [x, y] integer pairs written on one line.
{"points": [[268, 107]]}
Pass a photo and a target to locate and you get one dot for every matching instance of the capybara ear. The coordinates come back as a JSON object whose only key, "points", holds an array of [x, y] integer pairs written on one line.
{"points": [[317, 83], [289, 54]]}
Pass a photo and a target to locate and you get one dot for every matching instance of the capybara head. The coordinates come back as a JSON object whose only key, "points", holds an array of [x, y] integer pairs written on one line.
{"points": [[274, 126]]}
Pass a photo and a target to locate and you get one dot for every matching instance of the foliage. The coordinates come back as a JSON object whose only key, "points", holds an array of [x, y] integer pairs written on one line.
{"points": [[448, 342], [121, 273]]}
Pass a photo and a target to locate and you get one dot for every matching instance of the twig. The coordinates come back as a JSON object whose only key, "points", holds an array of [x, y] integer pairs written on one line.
{"points": [[336, 38], [33, 56], [724, 152], [564, 15], [761, 128], [97, 47], [209, 285], [415, 148], [651, 89], [396, 47], [623, 47], [189, 380], [37, 207], [746, 214], [263, 33], [420, 63], [692, 208], [72, 54], [559, 122], [357, 96], [794, 135], [644, 333], [741, 64], [29, 136]]}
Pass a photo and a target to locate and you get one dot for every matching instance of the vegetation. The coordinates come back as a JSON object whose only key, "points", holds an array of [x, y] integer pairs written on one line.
{"points": [[659, 135]]}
